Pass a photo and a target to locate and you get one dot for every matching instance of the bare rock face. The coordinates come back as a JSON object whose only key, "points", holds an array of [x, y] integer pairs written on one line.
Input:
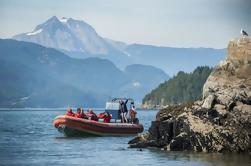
{"points": [[230, 81], [221, 121], [209, 101]]}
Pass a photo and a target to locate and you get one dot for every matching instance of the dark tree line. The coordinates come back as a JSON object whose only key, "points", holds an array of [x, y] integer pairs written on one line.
{"points": [[184, 87]]}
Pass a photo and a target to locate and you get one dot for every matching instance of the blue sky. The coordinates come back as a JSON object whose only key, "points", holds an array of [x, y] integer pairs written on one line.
{"points": [[176, 23]]}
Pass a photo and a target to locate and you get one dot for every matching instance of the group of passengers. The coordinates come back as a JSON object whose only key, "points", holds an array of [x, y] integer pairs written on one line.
{"points": [[89, 115], [105, 115]]}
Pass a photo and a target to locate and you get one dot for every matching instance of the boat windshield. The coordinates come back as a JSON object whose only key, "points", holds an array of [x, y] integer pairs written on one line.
{"points": [[123, 99]]}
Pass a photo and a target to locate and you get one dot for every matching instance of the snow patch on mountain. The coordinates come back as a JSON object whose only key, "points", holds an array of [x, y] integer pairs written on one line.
{"points": [[34, 32], [63, 19]]}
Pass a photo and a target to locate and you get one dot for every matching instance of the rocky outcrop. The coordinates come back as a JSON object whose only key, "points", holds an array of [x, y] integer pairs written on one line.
{"points": [[220, 121]]}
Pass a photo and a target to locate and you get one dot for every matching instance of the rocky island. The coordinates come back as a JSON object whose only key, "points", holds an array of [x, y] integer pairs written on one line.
{"points": [[220, 121]]}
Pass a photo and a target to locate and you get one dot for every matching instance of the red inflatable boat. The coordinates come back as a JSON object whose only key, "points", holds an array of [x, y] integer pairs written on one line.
{"points": [[72, 126]]}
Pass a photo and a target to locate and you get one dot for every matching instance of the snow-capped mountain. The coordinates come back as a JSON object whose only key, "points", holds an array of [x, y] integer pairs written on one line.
{"points": [[70, 35], [78, 39]]}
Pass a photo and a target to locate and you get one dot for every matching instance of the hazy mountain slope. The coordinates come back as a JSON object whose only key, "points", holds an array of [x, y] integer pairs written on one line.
{"points": [[140, 73], [36, 76], [143, 78], [172, 60]]}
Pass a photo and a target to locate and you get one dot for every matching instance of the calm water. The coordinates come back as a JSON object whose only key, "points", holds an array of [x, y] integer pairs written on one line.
{"points": [[28, 138]]}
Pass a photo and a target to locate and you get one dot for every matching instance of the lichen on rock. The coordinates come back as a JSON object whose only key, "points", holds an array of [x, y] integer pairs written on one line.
{"points": [[220, 121]]}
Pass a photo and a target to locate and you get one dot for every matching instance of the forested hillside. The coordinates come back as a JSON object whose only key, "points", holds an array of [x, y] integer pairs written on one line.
{"points": [[183, 87]]}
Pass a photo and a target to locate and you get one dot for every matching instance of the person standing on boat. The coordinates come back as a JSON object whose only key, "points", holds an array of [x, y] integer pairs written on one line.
{"points": [[121, 110], [124, 111], [133, 114]]}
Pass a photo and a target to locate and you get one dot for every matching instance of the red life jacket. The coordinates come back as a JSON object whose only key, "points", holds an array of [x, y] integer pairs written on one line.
{"points": [[68, 113], [107, 119], [93, 116], [78, 115], [102, 115]]}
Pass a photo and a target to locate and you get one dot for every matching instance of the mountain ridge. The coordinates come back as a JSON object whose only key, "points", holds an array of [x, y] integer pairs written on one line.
{"points": [[38, 75], [78, 39]]}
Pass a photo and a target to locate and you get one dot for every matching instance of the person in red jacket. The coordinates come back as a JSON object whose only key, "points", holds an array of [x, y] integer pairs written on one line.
{"points": [[102, 115], [91, 115], [80, 114], [69, 112], [83, 115], [107, 118]]}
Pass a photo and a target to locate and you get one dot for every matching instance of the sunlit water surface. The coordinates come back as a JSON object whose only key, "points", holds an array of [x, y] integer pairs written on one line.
{"points": [[27, 137]]}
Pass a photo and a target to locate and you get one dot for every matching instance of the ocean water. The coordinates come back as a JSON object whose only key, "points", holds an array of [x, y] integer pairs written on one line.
{"points": [[27, 137]]}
